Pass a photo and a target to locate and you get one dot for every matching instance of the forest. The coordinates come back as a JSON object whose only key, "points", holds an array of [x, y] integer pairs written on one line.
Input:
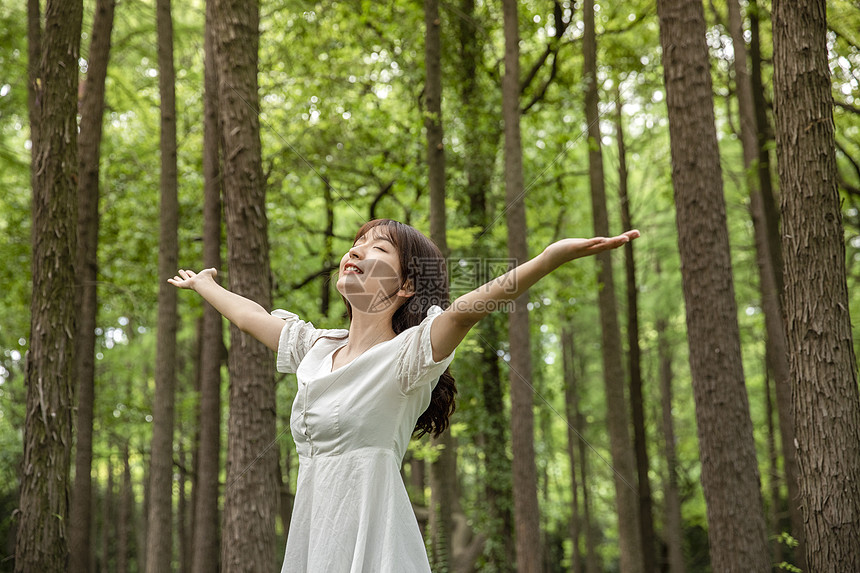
{"points": [[687, 403]]}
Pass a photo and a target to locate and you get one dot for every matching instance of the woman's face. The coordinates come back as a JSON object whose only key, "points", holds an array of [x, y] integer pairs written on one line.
{"points": [[369, 274]]}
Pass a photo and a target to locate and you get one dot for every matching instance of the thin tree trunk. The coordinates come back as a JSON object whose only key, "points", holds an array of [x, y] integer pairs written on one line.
{"points": [[773, 459], [125, 515], [481, 141], [769, 285], [108, 520], [286, 498], [248, 537], [570, 399], [646, 513], [433, 122], [673, 531], [771, 213], [159, 542], [89, 142], [328, 250], [592, 559], [825, 397], [730, 478], [526, 513], [144, 530], [443, 475], [417, 479], [626, 502], [34, 79], [183, 532], [765, 137], [41, 539], [205, 538]]}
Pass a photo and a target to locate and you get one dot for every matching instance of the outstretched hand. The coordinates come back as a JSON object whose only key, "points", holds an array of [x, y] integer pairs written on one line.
{"points": [[567, 250], [189, 279]]}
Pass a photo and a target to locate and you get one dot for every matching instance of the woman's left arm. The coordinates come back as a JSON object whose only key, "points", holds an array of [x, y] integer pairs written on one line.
{"points": [[451, 327]]}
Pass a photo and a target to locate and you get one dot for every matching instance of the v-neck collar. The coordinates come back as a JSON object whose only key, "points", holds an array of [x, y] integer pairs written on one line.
{"points": [[329, 361]]}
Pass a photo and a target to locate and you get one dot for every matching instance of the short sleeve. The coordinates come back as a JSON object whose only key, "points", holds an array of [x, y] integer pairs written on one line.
{"points": [[415, 364], [296, 340]]}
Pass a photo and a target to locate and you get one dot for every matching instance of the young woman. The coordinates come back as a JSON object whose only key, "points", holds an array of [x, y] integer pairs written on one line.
{"points": [[365, 391]]}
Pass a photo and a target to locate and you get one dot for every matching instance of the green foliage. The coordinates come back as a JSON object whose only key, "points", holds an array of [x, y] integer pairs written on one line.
{"points": [[341, 87]]}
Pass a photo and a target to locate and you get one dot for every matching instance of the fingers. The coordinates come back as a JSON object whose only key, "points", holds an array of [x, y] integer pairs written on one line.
{"points": [[599, 244], [182, 278]]}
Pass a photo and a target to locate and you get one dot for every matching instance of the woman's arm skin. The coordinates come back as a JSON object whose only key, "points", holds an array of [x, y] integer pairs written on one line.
{"points": [[451, 327], [246, 314]]}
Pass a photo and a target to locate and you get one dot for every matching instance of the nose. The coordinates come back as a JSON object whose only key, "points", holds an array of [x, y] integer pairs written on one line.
{"points": [[354, 252]]}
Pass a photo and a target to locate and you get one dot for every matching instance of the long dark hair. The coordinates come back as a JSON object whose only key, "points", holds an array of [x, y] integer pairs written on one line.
{"points": [[422, 264]]}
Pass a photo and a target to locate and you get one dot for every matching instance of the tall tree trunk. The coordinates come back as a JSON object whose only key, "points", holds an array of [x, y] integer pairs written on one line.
{"points": [[286, 498], [159, 546], [765, 137], [108, 520], [124, 519], [443, 470], [730, 479], [626, 498], [480, 142], [771, 212], [89, 142], [205, 540], [41, 540], [183, 531], [592, 559], [637, 408], [673, 532], [328, 250], [248, 538], [818, 327], [526, 513], [768, 283], [34, 79], [773, 482], [570, 400]]}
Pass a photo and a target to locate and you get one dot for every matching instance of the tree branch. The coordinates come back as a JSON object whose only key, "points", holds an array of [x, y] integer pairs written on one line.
{"points": [[847, 106]]}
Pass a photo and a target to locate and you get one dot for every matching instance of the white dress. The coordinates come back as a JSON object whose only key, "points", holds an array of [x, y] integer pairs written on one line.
{"points": [[351, 429]]}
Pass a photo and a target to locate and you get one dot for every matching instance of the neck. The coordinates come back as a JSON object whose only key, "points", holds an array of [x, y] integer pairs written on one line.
{"points": [[367, 329]]}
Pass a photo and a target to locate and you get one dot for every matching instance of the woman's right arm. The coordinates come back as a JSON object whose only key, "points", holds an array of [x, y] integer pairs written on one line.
{"points": [[246, 314]]}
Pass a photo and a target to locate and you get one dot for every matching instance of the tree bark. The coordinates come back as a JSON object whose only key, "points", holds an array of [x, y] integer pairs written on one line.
{"points": [[634, 353], [592, 559], [771, 212], [205, 537], [526, 513], [673, 531], [818, 327], [769, 284], [125, 517], [41, 539], [159, 542], [248, 536], [89, 142], [183, 513], [730, 478], [108, 519], [480, 141], [626, 502], [443, 477], [433, 121], [570, 400], [773, 482]]}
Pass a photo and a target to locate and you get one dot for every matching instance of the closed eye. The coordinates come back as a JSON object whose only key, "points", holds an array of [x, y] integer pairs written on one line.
{"points": [[381, 249]]}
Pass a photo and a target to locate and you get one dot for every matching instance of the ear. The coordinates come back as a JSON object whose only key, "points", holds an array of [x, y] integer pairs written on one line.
{"points": [[407, 289]]}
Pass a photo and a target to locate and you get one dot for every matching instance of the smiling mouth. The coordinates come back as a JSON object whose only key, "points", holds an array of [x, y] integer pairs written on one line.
{"points": [[350, 268]]}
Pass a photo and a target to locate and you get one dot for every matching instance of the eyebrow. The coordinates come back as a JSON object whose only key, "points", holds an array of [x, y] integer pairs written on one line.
{"points": [[378, 238]]}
